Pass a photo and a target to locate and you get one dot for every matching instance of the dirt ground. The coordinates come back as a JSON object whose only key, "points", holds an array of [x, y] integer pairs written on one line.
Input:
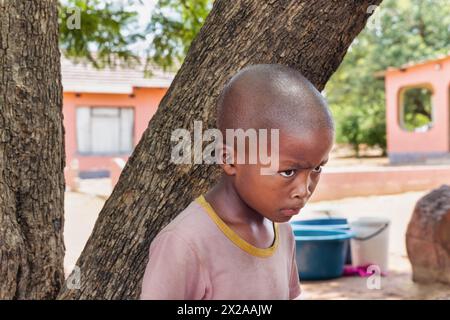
{"points": [[397, 285], [82, 210]]}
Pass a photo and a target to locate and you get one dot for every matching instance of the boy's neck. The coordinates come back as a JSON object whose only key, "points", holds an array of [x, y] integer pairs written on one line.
{"points": [[227, 203]]}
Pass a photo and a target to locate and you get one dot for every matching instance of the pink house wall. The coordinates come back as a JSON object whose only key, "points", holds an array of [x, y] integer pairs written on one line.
{"points": [[436, 141], [145, 102]]}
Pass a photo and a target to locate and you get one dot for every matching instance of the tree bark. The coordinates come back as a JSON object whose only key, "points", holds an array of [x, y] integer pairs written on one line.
{"points": [[31, 151], [311, 36]]}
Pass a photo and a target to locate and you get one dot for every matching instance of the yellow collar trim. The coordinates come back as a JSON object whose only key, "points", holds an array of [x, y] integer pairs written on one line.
{"points": [[234, 237]]}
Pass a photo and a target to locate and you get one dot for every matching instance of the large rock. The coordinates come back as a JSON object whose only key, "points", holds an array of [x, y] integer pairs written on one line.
{"points": [[428, 237]]}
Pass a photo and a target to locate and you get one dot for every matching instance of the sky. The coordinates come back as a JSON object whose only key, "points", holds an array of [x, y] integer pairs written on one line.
{"points": [[145, 11]]}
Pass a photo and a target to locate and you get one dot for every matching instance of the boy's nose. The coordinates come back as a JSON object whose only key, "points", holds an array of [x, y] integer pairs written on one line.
{"points": [[302, 188]]}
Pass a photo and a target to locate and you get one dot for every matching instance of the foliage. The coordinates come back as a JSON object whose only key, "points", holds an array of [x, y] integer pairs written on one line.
{"points": [[408, 31]]}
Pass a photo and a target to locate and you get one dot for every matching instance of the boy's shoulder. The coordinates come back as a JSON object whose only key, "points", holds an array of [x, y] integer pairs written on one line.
{"points": [[286, 234], [190, 223]]}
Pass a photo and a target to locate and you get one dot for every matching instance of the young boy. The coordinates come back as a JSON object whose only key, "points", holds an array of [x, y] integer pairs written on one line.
{"points": [[235, 241]]}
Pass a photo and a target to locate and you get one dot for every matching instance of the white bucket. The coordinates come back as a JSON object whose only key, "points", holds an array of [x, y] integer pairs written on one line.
{"points": [[370, 246]]}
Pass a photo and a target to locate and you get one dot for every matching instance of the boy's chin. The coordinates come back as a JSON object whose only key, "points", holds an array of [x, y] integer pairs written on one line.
{"points": [[281, 219]]}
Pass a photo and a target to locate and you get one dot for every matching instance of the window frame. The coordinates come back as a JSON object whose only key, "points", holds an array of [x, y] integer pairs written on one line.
{"points": [[401, 106], [103, 154]]}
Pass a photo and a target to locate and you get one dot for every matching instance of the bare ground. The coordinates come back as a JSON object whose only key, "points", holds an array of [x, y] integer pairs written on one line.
{"points": [[398, 283]]}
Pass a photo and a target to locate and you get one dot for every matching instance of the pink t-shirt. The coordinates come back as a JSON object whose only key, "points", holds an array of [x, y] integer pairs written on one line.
{"points": [[197, 256]]}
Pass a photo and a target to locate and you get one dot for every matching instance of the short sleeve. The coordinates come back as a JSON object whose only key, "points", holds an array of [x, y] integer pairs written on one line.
{"points": [[294, 283], [173, 270]]}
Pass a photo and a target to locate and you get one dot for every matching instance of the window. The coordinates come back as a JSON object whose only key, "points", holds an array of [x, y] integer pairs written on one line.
{"points": [[416, 109], [105, 130]]}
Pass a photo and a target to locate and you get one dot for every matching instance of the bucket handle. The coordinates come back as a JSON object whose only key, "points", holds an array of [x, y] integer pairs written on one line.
{"points": [[373, 234]]}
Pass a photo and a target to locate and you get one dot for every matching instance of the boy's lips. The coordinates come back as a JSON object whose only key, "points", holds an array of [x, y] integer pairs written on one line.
{"points": [[290, 211]]}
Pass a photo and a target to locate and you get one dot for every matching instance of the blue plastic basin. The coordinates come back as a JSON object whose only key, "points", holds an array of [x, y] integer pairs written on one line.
{"points": [[328, 224], [321, 254]]}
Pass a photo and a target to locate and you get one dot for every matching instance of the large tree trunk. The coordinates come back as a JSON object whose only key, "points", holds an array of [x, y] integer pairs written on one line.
{"points": [[31, 151], [311, 36]]}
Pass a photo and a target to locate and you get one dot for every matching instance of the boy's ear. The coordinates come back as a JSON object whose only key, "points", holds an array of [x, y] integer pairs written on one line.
{"points": [[226, 155]]}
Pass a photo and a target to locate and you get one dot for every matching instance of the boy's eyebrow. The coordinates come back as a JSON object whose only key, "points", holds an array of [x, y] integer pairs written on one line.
{"points": [[321, 164], [306, 164]]}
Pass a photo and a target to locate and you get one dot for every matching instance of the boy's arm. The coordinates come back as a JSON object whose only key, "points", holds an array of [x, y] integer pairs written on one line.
{"points": [[294, 283], [173, 271]]}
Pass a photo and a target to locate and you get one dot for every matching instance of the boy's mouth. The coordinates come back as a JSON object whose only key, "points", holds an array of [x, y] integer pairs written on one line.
{"points": [[290, 211]]}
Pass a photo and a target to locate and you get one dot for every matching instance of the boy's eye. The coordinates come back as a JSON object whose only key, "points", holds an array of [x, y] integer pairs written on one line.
{"points": [[287, 173], [318, 169]]}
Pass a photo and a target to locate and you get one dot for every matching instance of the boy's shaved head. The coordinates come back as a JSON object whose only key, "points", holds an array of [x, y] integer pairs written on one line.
{"points": [[271, 96], [274, 96]]}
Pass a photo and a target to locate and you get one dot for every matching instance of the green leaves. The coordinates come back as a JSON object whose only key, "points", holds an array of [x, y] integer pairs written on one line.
{"points": [[110, 29], [106, 28], [410, 30], [174, 24]]}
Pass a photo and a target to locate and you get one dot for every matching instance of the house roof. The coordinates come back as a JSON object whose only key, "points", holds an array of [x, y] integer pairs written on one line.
{"points": [[82, 77], [409, 64], [436, 59]]}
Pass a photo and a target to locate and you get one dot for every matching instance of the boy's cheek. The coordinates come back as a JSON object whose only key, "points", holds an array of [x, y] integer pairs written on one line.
{"points": [[313, 185]]}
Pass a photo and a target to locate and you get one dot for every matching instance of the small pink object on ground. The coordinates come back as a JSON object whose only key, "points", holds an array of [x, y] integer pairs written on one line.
{"points": [[361, 271]]}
